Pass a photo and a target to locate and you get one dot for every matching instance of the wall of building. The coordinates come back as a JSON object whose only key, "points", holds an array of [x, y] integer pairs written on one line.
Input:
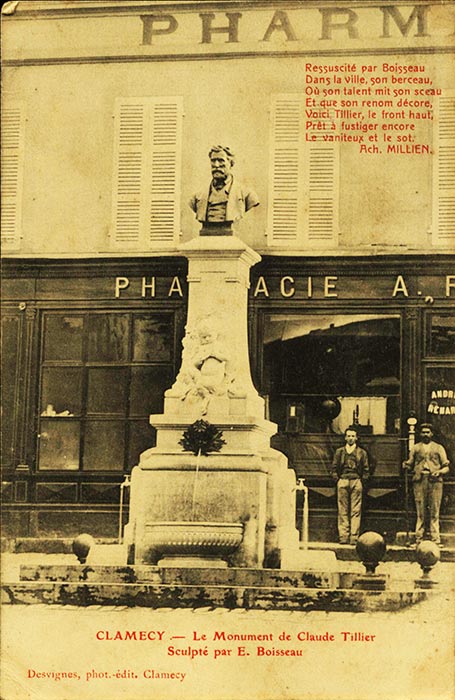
{"points": [[58, 68], [66, 65]]}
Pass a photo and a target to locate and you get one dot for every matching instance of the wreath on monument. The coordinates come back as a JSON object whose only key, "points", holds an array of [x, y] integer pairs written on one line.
{"points": [[201, 438]]}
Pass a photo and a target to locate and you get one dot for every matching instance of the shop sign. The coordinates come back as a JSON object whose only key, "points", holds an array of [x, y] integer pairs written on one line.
{"points": [[146, 287], [442, 402], [344, 287], [288, 25], [307, 287]]}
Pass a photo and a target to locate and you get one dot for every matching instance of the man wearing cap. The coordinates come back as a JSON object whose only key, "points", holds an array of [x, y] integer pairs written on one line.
{"points": [[428, 463], [350, 470], [226, 200]]}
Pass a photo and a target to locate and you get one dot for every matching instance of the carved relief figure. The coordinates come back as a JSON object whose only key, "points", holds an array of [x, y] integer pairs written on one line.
{"points": [[207, 368]]}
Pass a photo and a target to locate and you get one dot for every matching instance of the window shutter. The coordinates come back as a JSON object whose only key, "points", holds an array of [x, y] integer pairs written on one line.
{"points": [[12, 153], [129, 172], [146, 199], [444, 172], [165, 172], [303, 198], [286, 170], [322, 190]]}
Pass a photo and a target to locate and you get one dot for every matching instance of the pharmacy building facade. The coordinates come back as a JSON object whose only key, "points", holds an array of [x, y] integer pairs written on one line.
{"points": [[109, 111]]}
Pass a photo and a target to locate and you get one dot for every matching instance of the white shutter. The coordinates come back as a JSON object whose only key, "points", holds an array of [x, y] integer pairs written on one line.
{"points": [[12, 156], [129, 172], [146, 198], [163, 225], [322, 191], [304, 183], [444, 171], [284, 215]]}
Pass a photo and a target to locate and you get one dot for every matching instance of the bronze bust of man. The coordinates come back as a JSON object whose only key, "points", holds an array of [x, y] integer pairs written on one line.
{"points": [[225, 200]]}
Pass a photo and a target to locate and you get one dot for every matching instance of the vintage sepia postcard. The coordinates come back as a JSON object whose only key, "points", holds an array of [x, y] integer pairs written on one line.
{"points": [[228, 350]]}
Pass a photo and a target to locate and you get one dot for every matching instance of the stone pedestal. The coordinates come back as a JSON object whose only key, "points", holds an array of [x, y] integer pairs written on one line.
{"points": [[246, 481]]}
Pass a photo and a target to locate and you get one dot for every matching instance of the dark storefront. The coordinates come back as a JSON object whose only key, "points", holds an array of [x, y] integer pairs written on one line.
{"points": [[90, 346], [363, 341], [89, 349]]}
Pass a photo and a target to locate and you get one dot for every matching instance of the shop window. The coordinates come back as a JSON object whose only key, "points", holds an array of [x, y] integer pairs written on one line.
{"points": [[148, 385], [107, 390], [441, 335], [107, 337], [61, 393], [146, 190], [151, 339], [304, 180], [63, 337], [440, 405], [100, 380], [59, 444], [324, 373], [104, 446]]}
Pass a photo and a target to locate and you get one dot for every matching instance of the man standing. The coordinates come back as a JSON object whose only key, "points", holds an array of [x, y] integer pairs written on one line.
{"points": [[428, 462], [350, 470], [225, 200]]}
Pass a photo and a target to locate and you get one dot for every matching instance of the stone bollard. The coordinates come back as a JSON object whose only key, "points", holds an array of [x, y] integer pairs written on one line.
{"points": [[427, 555], [370, 549], [81, 546]]}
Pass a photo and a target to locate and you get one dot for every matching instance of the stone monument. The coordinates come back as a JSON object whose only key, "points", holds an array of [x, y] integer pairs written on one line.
{"points": [[237, 505]]}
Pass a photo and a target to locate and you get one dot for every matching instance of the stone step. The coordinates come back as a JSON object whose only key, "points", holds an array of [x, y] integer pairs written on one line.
{"points": [[271, 578], [210, 596], [447, 539], [395, 553]]}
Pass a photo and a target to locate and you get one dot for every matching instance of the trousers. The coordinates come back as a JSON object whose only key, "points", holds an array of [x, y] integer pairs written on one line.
{"points": [[428, 497], [349, 499]]}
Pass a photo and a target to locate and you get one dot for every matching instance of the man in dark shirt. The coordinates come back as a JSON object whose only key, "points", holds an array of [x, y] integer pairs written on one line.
{"points": [[350, 469]]}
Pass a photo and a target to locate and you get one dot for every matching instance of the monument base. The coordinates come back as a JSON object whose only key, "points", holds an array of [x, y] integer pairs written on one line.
{"points": [[240, 481], [198, 498]]}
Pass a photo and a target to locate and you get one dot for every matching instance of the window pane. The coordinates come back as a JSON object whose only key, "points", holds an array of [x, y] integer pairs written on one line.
{"points": [[440, 405], [63, 337], [61, 391], [324, 372], [142, 437], [104, 446], [107, 390], [442, 341], [153, 338], [108, 337], [59, 444], [148, 385]]}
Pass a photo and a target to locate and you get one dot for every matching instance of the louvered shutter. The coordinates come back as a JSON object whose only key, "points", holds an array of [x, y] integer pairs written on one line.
{"points": [[12, 156], [304, 183], [444, 172], [166, 128], [129, 172], [285, 220], [322, 189], [146, 200]]}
